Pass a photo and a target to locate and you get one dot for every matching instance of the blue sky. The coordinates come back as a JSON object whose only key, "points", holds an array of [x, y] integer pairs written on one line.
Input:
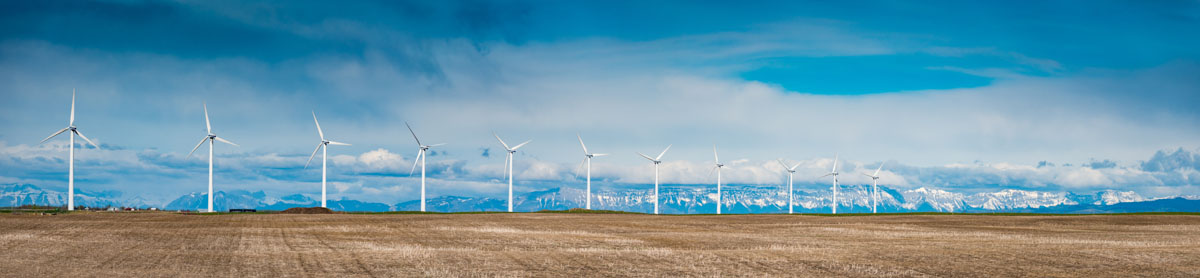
{"points": [[970, 96]]}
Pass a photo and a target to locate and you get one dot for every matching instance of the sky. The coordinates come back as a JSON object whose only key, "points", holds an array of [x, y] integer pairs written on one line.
{"points": [[969, 96]]}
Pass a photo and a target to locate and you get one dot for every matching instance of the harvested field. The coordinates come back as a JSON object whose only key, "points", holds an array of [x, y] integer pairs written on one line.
{"points": [[565, 244]]}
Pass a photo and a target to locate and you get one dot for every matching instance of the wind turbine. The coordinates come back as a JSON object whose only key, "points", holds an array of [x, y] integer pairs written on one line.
{"points": [[324, 145], [508, 161], [587, 159], [71, 153], [657, 160], [791, 171], [874, 187], [211, 138], [834, 173], [420, 156], [717, 162]]}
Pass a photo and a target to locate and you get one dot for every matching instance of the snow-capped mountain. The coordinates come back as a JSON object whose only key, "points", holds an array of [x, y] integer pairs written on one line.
{"points": [[674, 199], [26, 194], [922, 199], [1009, 199]]}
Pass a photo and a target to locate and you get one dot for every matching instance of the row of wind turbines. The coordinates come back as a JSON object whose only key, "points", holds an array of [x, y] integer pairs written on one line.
{"points": [[323, 147]]}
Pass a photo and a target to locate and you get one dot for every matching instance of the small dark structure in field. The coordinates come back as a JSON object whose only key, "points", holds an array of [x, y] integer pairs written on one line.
{"points": [[243, 210], [312, 210]]}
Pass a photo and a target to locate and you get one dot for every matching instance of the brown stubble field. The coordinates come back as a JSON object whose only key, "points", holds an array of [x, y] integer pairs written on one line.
{"points": [[518, 245]]}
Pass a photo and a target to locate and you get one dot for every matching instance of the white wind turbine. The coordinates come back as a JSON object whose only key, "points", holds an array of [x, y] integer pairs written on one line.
{"points": [[421, 157], [324, 145], [791, 171], [211, 138], [71, 153], [587, 159], [874, 187], [657, 160], [508, 161], [717, 167], [834, 173]]}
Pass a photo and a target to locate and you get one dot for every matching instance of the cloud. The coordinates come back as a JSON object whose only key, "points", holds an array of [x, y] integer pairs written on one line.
{"points": [[365, 73], [1180, 159]]}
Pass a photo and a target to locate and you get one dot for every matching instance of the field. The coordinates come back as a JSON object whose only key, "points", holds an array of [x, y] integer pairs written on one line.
{"points": [[568, 244]]}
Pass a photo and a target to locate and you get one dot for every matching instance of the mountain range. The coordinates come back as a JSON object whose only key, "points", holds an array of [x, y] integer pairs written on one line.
{"points": [[674, 200]]}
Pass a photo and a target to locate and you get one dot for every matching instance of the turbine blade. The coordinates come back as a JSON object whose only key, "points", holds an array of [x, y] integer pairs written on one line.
{"points": [[710, 171], [599, 154], [414, 168], [310, 158], [794, 166], [826, 175], [782, 164], [225, 141], [580, 168], [835, 160], [197, 146], [72, 106], [585, 151], [435, 145], [715, 158], [506, 158], [86, 139], [501, 141], [338, 143], [877, 170], [414, 133], [518, 146], [660, 155], [646, 156], [55, 134], [868, 175], [207, 124], [319, 132]]}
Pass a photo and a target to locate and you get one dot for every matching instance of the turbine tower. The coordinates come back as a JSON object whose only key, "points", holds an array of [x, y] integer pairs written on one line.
{"points": [[791, 171], [657, 160], [211, 138], [587, 159], [717, 167], [421, 157], [324, 148], [874, 187], [508, 161], [834, 173], [71, 153]]}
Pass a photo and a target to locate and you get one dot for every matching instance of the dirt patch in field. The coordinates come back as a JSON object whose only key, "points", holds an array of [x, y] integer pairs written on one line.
{"points": [[312, 210]]}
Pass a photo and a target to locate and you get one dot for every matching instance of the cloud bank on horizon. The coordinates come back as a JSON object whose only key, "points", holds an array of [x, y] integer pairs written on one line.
{"points": [[964, 96]]}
